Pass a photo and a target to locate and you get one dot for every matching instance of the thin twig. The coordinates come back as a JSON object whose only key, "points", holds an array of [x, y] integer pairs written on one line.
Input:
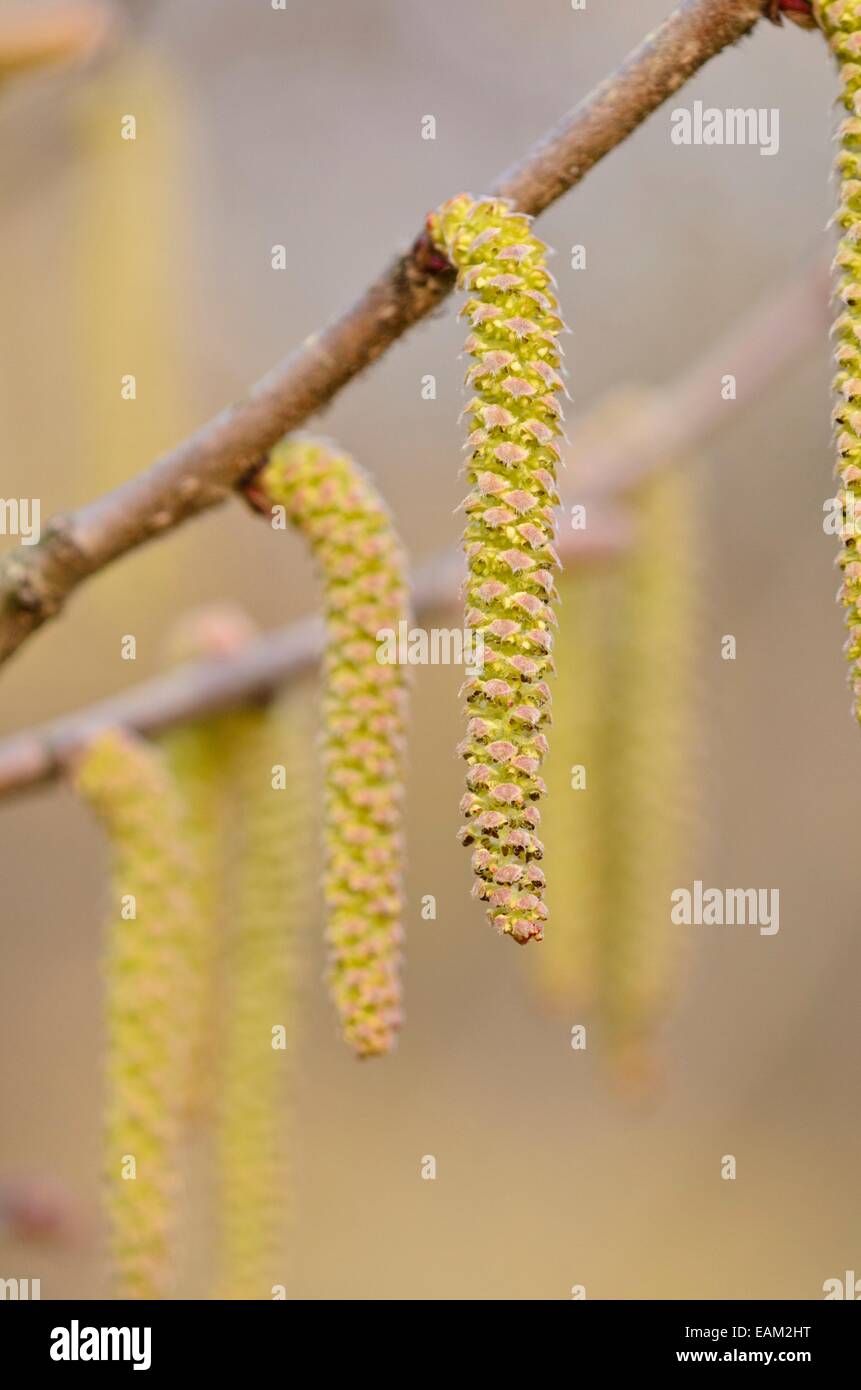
{"points": [[681, 416], [35, 581]]}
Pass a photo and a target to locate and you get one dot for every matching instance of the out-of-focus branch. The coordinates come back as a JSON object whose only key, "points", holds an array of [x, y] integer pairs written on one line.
{"points": [[755, 351], [606, 465], [35, 581], [41, 35], [255, 672]]}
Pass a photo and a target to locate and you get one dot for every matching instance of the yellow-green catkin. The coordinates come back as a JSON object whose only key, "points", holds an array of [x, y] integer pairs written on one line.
{"points": [[841, 21], [568, 964], [621, 769], [128, 785], [271, 897], [509, 544], [202, 756], [134, 396], [196, 753], [323, 493], [247, 779], [130, 237], [650, 790]]}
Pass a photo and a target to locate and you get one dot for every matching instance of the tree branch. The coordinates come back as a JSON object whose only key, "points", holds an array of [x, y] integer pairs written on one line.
{"points": [[35, 581], [676, 419]]}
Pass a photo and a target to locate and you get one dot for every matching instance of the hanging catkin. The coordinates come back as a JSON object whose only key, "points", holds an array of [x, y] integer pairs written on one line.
{"points": [[330, 500], [129, 787], [624, 708], [247, 780], [650, 775], [202, 758], [130, 238], [574, 827], [196, 756], [841, 20], [509, 544], [271, 893]]}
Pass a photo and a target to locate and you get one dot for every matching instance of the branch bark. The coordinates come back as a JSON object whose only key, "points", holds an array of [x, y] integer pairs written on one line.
{"points": [[199, 473], [678, 418]]}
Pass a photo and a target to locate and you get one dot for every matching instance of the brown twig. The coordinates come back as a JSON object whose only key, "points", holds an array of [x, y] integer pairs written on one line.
{"points": [[35, 581], [682, 415]]}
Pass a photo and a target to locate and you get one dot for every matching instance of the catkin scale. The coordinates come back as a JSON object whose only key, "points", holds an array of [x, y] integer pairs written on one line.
{"points": [[509, 545], [327, 497], [841, 21], [128, 786]]}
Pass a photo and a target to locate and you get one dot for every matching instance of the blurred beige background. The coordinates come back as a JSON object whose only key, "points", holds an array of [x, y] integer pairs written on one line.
{"points": [[303, 128]]}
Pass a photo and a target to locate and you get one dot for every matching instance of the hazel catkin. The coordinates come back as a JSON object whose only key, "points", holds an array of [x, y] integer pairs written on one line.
{"points": [[127, 783], [568, 965], [841, 21], [621, 773], [509, 544], [203, 756], [651, 778], [325, 495], [271, 888]]}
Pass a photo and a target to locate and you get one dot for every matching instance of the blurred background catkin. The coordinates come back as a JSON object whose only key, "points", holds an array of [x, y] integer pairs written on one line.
{"points": [[546, 1175]]}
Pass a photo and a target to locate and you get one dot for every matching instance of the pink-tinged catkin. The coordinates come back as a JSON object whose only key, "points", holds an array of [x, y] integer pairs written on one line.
{"points": [[329, 499], [841, 21], [509, 544], [127, 784]]}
